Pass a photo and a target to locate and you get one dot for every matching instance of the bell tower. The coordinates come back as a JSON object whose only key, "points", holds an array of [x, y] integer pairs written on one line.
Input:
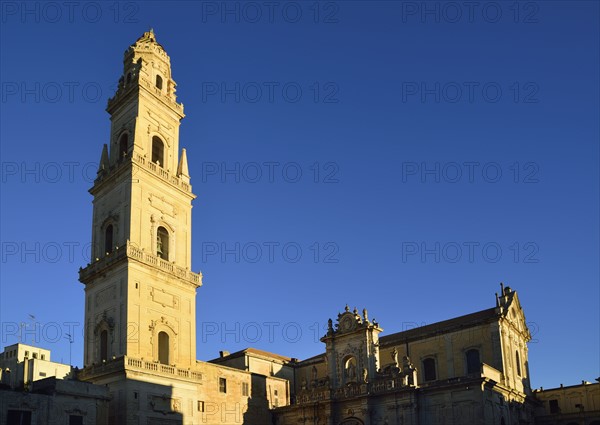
{"points": [[139, 289]]}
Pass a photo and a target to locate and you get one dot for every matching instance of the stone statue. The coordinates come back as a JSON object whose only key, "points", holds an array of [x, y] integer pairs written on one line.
{"points": [[365, 314], [409, 372], [365, 375], [395, 356]]}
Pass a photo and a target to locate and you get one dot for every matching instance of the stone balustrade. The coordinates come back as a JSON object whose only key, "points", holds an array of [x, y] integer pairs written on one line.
{"points": [[131, 251], [130, 363]]}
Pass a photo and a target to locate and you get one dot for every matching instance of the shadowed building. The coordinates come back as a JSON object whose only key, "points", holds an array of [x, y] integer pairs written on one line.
{"points": [[569, 405], [471, 369], [36, 390]]}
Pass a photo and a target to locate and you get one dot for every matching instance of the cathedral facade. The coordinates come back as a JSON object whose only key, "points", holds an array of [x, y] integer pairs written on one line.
{"points": [[140, 331]]}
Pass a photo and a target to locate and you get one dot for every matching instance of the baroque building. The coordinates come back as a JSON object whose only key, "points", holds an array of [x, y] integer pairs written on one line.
{"points": [[140, 330]]}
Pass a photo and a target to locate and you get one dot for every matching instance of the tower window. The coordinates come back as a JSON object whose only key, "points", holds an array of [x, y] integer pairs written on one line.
{"points": [[103, 345], [518, 361], [163, 348], [429, 372], [158, 151], [222, 385], [108, 239], [245, 388], [123, 145], [473, 361], [159, 82], [162, 243]]}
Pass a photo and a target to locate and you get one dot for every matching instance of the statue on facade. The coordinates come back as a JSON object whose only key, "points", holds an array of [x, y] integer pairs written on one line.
{"points": [[395, 356], [409, 372]]}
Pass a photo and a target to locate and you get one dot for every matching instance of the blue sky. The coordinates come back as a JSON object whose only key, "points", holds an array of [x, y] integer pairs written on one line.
{"points": [[389, 155]]}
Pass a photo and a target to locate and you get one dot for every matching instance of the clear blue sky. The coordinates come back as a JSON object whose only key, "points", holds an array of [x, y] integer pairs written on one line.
{"points": [[399, 119]]}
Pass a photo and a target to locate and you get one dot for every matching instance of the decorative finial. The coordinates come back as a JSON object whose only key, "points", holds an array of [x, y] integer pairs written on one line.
{"points": [[347, 308], [365, 314]]}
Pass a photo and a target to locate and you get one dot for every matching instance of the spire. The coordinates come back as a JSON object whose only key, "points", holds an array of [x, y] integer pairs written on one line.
{"points": [[182, 168], [146, 38], [103, 159]]}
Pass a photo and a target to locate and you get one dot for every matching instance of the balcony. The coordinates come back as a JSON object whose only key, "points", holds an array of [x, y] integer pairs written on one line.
{"points": [[147, 165], [123, 363], [131, 251]]}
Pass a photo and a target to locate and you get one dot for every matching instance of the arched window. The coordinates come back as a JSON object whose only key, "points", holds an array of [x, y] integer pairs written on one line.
{"points": [[350, 369], [108, 239], [103, 345], [162, 243], [518, 362], [473, 361], [163, 348], [429, 370], [159, 82], [158, 151], [123, 145]]}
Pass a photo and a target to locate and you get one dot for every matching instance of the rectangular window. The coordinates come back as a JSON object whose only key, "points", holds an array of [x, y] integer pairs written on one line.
{"points": [[276, 398], [200, 406], [222, 385], [554, 406], [21, 417], [42, 373], [43, 357], [75, 420], [245, 389], [26, 353], [35, 355]]}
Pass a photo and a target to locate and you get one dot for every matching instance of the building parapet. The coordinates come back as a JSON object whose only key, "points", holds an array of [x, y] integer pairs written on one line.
{"points": [[321, 390]]}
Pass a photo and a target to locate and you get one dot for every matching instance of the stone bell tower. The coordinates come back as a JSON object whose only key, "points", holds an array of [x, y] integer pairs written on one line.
{"points": [[352, 349], [139, 289]]}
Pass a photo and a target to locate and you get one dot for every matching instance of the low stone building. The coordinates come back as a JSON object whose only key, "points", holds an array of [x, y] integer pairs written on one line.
{"points": [[569, 405], [37, 391]]}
